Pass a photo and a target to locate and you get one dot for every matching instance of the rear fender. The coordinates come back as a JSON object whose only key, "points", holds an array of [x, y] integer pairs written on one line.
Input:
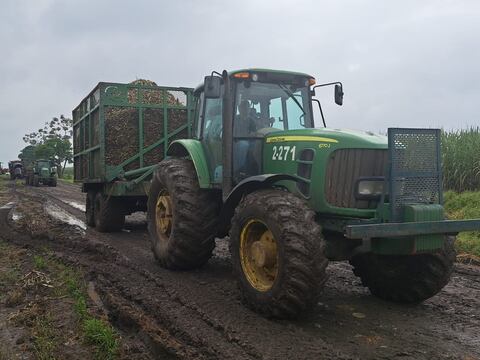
{"points": [[193, 149]]}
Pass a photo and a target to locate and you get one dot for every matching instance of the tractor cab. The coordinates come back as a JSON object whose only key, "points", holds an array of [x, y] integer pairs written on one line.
{"points": [[248, 105]]}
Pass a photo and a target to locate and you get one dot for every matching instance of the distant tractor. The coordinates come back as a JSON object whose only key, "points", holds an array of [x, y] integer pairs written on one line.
{"points": [[37, 171], [15, 168], [290, 196]]}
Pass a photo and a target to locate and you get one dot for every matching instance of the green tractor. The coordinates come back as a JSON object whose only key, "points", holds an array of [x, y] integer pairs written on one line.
{"points": [[41, 172], [293, 197]]}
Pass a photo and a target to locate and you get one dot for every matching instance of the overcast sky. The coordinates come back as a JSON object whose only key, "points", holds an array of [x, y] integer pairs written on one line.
{"points": [[403, 63]]}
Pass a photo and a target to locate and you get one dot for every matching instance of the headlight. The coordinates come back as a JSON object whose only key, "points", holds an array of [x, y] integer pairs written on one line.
{"points": [[370, 188]]}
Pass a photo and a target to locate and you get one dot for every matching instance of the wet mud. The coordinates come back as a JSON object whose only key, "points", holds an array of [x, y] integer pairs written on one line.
{"points": [[198, 314]]}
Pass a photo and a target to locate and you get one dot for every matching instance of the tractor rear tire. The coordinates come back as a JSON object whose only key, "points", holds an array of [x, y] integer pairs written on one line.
{"points": [[406, 278], [182, 217], [89, 208], [108, 214], [286, 281]]}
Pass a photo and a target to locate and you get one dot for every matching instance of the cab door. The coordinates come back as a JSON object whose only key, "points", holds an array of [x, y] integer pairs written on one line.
{"points": [[211, 137]]}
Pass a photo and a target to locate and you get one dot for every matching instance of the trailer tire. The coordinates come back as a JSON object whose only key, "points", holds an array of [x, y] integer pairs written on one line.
{"points": [[182, 217], [108, 214], [281, 280], [89, 208], [406, 278]]}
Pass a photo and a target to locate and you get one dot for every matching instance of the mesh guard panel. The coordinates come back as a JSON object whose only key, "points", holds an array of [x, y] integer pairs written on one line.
{"points": [[415, 168]]}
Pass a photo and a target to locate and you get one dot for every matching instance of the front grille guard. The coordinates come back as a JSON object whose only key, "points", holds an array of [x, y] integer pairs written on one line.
{"points": [[415, 172]]}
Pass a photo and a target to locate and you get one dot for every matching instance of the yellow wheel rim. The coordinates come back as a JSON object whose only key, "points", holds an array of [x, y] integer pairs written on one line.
{"points": [[163, 214], [258, 255]]}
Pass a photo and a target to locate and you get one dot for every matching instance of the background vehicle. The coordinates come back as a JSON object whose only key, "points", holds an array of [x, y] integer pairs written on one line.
{"points": [[290, 196], [15, 168], [37, 171]]}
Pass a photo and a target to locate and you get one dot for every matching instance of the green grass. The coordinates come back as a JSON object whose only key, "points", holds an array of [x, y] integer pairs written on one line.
{"points": [[39, 262], [67, 180], [96, 331], [46, 340], [102, 335], [68, 174], [461, 159], [465, 205]]}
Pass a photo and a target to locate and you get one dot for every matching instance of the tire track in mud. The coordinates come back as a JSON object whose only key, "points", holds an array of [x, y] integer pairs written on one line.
{"points": [[198, 314]]}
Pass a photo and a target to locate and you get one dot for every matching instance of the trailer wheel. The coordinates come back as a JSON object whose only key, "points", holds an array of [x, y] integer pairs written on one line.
{"points": [[108, 214], [89, 208], [36, 180], [182, 218], [277, 253], [406, 278]]}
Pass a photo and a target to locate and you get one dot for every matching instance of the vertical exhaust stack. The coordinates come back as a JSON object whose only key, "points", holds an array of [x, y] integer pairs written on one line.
{"points": [[415, 171]]}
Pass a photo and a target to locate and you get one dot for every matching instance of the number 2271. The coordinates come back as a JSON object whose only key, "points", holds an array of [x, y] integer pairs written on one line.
{"points": [[283, 153]]}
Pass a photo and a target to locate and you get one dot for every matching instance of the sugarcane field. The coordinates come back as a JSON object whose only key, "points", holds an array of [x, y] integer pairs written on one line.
{"points": [[183, 180]]}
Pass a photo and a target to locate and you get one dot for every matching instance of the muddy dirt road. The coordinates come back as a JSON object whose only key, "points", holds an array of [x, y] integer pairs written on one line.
{"points": [[198, 314]]}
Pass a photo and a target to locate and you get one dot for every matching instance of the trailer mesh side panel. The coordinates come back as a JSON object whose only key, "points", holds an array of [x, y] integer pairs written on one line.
{"points": [[415, 168]]}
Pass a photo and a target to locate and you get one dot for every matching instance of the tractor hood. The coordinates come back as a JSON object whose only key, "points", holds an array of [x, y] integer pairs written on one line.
{"points": [[339, 138]]}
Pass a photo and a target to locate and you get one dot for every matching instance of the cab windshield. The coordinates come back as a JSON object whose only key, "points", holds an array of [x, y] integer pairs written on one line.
{"points": [[270, 106]]}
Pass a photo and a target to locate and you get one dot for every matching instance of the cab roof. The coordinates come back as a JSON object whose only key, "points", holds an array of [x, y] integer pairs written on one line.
{"points": [[261, 70]]}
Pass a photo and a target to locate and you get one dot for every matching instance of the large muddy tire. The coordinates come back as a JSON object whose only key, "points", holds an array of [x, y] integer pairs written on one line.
{"points": [[108, 213], [90, 208], [406, 278], [182, 218], [277, 253]]}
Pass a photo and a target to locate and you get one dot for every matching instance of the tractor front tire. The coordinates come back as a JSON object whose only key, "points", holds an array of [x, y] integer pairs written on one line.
{"points": [[182, 217], [90, 208], [108, 214], [278, 253], [406, 278], [53, 182], [36, 181]]}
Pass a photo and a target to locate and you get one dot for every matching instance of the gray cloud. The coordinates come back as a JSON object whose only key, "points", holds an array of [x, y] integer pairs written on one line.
{"points": [[409, 63]]}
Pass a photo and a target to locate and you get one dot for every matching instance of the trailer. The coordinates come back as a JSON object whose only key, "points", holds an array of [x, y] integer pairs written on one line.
{"points": [[120, 134]]}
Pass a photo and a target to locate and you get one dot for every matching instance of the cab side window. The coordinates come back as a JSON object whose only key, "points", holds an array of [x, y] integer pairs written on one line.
{"points": [[212, 124], [197, 119]]}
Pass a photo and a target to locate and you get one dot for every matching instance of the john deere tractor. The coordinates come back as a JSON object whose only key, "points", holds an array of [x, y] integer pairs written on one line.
{"points": [[293, 197]]}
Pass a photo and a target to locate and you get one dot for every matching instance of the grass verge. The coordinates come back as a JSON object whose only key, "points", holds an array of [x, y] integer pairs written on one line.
{"points": [[49, 300], [96, 332], [464, 205]]}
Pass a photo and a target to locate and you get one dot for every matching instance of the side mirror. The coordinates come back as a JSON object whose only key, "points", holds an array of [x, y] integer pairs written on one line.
{"points": [[338, 94], [212, 87]]}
